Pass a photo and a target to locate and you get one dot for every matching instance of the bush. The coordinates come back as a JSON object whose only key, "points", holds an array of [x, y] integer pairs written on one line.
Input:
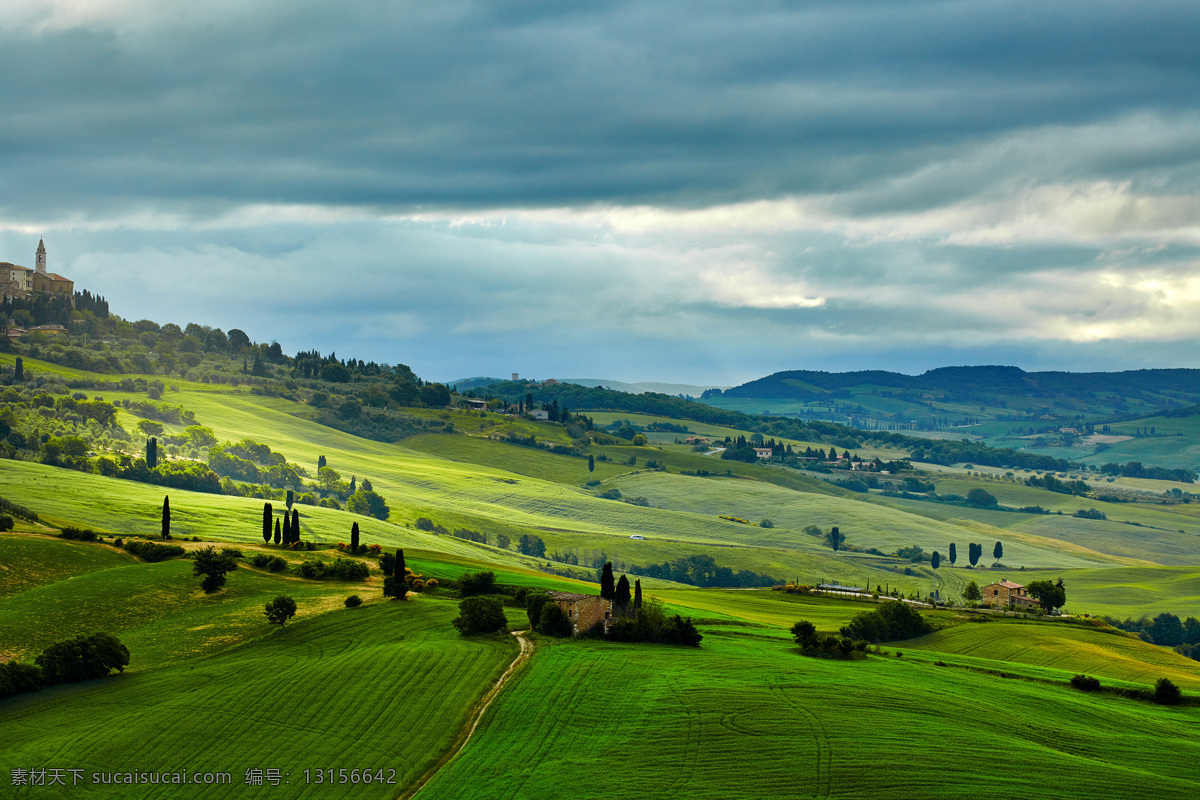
{"points": [[1086, 683], [18, 678], [470, 585], [277, 564], [260, 560], [86, 535], [153, 553], [1166, 693], [480, 615], [353, 601], [553, 622], [6, 522]]}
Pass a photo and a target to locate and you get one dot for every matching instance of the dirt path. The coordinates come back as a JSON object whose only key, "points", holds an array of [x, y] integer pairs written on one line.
{"points": [[468, 730]]}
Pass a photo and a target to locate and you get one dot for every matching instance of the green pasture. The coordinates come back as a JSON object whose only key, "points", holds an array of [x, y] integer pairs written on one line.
{"points": [[863, 524], [30, 561], [385, 686], [1132, 591], [512, 458], [1070, 648], [744, 716]]}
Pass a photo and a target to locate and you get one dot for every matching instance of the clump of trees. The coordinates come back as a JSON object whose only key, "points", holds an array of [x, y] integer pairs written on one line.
{"points": [[650, 623], [82, 658], [813, 644], [480, 615], [891, 621], [1050, 596]]}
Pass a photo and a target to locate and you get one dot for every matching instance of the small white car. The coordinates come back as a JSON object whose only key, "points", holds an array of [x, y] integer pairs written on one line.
{"points": [[635, 536]]}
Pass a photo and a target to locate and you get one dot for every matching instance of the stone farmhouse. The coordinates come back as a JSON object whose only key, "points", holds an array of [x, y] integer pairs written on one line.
{"points": [[1006, 592], [17, 281], [583, 610]]}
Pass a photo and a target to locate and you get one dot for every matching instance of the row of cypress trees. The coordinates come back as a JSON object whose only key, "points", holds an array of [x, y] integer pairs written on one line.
{"points": [[287, 533], [619, 592]]}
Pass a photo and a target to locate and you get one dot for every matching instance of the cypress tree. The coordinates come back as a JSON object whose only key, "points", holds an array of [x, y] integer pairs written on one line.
{"points": [[953, 554], [591, 463], [935, 560], [295, 525], [291, 498], [400, 566], [998, 551], [166, 517], [352, 481], [321, 462], [606, 581], [19, 369], [354, 538], [268, 512], [621, 595], [278, 532], [637, 595], [152, 452]]}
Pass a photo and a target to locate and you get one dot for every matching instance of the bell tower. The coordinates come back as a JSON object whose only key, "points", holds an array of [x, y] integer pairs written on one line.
{"points": [[41, 257]]}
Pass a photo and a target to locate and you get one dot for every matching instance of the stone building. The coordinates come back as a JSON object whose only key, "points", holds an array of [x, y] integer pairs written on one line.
{"points": [[583, 610], [1004, 593], [18, 281]]}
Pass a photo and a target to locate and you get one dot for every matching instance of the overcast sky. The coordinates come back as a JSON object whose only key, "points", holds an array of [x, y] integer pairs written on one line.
{"points": [[695, 192]]}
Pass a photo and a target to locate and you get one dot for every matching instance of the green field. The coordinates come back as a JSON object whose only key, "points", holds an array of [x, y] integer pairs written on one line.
{"points": [[746, 717]]}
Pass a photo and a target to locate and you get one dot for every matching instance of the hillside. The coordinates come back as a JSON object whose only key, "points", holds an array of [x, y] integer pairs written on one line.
{"points": [[543, 504]]}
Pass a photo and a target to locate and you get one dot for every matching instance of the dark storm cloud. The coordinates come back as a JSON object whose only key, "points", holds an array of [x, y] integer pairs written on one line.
{"points": [[541, 104]]}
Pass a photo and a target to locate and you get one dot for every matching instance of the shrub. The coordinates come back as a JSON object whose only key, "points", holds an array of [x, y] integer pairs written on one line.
{"points": [[553, 622], [348, 569], [260, 560], [86, 535], [153, 553], [1166, 693], [313, 569], [1086, 683], [766, 523], [277, 564], [18, 678], [353, 601]]}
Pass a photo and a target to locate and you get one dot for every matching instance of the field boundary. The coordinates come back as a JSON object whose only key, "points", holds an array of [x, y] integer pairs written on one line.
{"points": [[468, 730]]}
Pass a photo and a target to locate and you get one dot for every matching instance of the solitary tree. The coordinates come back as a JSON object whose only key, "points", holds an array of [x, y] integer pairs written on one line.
{"points": [[280, 610], [953, 554], [321, 462], [213, 565], [295, 525], [998, 551], [152, 452], [607, 590], [166, 517], [637, 595], [974, 551], [278, 532], [835, 538], [621, 595], [291, 498], [19, 369], [354, 538], [268, 513], [981, 498], [936, 559], [971, 592], [591, 463]]}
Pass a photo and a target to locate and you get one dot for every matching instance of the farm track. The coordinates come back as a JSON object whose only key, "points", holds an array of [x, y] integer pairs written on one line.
{"points": [[468, 730]]}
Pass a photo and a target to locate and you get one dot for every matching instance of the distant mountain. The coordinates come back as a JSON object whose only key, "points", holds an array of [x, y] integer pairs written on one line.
{"points": [[967, 381], [639, 388], [466, 384]]}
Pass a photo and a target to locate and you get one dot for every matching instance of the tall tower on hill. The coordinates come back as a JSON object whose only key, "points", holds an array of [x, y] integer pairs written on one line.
{"points": [[41, 257]]}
